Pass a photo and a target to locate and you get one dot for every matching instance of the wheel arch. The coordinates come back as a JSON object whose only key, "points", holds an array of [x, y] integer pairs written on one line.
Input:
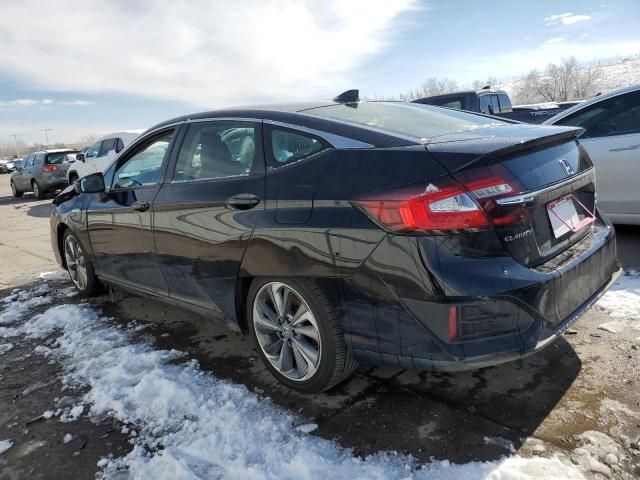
{"points": [[60, 231]]}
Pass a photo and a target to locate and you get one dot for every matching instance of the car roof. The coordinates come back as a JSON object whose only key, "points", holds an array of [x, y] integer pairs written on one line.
{"points": [[591, 101], [120, 133], [57, 150]]}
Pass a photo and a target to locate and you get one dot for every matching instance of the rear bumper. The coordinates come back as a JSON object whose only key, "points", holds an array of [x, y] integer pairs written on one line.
{"points": [[502, 310]]}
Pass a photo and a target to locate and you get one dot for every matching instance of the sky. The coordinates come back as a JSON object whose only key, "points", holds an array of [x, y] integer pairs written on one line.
{"points": [[91, 67]]}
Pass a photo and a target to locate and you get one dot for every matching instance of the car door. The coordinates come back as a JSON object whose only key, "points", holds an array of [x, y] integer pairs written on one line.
{"points": [[90, 158], [205, 212], [119, 221], [612, 139], [21, 179]]}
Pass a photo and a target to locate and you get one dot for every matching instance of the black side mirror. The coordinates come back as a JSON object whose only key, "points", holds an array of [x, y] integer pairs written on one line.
{"points": [[93, 183], [80, 157]]}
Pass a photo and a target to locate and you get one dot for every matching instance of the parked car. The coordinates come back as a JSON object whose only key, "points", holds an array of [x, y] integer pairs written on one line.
{"points": [[343, 231], [7, 165], [100, 155], [612, 139], [42, 172], [496, 102]]}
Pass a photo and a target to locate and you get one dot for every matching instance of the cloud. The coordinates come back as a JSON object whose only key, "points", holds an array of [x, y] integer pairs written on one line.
{"points": [[198, 51], [30, 102], [553, 40], [76, 103], [566, 18]]}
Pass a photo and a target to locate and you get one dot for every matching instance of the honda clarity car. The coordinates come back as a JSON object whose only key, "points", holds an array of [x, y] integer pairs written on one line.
{"points": [[344, 232]]}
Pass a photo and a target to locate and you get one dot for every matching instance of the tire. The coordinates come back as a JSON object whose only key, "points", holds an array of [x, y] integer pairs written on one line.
{"points": [[37, 191], [16, 193], [78, 265], [273, 332], [73, 178]]}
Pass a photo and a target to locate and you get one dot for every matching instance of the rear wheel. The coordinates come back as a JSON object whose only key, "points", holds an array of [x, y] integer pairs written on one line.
{"points": [[78, 265], [37, 191], [16, 193], [298, 335]]}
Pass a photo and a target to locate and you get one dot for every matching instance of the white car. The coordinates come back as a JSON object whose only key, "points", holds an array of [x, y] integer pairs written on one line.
{"points": [[101, 154], [612, 140]]}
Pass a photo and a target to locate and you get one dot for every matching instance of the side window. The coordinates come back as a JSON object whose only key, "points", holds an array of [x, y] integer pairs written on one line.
{"points": [[288, 146], [107, 146], [119, 145], [28, 162], [144, 166], [39, 160], [505, 103], [451, 103], [615, 116], [93, 150], [217, 149], [485, 101], [495, 104]]}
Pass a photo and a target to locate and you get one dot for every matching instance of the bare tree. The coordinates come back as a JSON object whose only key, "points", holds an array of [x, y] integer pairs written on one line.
{"points": [[432, 86]]}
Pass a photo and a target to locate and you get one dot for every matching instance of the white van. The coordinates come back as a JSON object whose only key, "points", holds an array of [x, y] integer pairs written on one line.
{"points": [[100, 155]]}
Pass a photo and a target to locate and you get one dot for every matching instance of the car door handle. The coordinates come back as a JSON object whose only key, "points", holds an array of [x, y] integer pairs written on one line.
{"points": [[140, 206], [243, 201], [624, 149]]}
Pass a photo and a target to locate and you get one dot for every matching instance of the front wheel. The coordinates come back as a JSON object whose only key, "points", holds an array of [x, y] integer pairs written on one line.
{"points": [[16, 193], [298, 334], [78, 265]]}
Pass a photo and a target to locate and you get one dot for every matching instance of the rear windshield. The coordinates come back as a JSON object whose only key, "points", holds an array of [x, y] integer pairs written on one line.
{"points": [[58, 158], [408, 119]]}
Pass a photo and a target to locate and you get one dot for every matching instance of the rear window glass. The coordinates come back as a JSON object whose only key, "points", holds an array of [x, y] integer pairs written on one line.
{"points": [[58, 158], [409, 119]]}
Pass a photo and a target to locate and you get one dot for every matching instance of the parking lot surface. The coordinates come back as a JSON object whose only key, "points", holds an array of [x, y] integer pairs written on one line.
{"points": [[548, 404]]}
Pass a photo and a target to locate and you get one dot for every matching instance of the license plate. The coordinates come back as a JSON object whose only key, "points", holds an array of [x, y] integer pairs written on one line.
{"points": [[563, 216]]}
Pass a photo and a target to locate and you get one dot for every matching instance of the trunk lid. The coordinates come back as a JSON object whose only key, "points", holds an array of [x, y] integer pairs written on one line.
{"points": [[552, 178]]}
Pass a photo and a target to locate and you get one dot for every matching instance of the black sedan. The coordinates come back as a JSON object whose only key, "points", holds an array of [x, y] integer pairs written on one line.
{"points": [[344, 231]]}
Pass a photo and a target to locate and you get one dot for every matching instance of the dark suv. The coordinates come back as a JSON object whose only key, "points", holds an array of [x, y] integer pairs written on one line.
{"points": [[343, 231]]}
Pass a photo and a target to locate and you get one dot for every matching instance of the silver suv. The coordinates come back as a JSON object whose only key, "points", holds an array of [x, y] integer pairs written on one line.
{"points": [[42, 172]]}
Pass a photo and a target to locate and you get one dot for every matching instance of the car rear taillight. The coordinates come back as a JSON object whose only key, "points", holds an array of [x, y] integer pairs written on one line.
{"points": [[444, 204], [50, 168]]}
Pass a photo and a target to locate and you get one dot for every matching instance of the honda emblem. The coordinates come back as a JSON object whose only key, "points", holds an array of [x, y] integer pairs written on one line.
{"points": [[566, 166]]}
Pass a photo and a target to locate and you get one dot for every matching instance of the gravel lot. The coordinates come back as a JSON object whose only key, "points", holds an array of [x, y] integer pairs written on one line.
{"points": [[588, 381]]}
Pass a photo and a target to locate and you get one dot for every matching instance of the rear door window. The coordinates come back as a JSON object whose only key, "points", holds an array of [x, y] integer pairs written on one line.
{"points": [[485, 102], [39, 159], [108, 145], [288, 146], [614, 116], [505, 103], [28, 162]]}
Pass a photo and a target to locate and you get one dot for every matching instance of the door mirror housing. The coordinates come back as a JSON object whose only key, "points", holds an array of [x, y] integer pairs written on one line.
{"points": [[93, 183], [80, 157]]}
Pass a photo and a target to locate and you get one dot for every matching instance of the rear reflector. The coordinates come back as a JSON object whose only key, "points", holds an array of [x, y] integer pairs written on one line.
{"points": [[453, 322], [442, 205]]}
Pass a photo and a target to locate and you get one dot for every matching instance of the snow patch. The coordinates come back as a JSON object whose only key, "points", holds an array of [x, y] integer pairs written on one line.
{"points": [[5, 445], [597, 453], [189, 424], [67, 438], [5, 347], [500, 442], [307, 427]]}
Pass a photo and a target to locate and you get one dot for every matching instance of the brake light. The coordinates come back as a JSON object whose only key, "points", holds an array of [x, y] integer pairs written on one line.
{"points": [[50, 168], [443, 205]]}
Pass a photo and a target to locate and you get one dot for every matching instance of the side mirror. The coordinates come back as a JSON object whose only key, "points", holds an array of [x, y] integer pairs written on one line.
{"points": [[80, 156], [93, 183]]}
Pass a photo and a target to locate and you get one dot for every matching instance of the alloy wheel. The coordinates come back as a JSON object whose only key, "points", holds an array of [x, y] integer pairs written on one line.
{"points": [[14, 190], [287, 331], [36, 189], [76, 264]]}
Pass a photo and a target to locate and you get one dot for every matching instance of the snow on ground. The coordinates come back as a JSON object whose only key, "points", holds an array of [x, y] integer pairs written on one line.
{"points": [[5, 445], [622, 302], [186, 424]]}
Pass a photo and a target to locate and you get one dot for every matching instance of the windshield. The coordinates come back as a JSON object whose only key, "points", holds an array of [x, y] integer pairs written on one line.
{"points": [[58, 158], [408, 119]]}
